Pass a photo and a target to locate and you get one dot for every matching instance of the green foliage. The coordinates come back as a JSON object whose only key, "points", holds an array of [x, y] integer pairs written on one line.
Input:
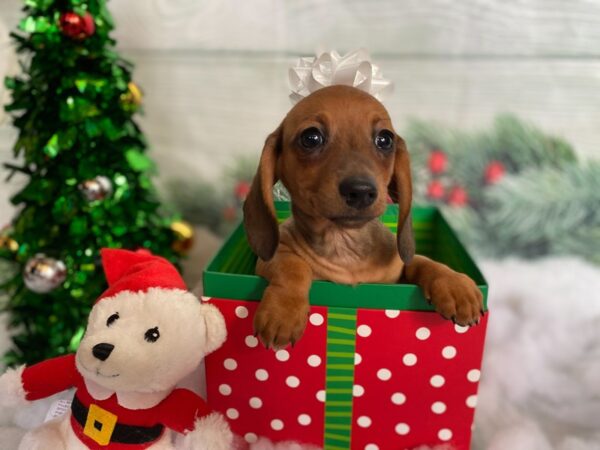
{"points": [[74, 117], [546, 202]]}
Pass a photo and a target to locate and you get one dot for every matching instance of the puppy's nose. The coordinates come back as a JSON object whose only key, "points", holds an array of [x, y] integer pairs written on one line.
{"points": [[102, 351], [358, 192]]}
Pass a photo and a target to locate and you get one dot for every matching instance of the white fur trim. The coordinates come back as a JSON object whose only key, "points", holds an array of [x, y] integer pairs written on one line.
{"points": [[166, 293], [12, 392], [210, 433]]}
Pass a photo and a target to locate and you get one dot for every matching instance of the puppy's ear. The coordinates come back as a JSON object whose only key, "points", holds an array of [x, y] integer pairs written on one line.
{"points": [[400, 190], [259, 212]]}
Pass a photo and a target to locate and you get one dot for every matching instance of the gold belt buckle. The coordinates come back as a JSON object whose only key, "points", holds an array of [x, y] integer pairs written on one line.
{"points": [[99, 425]]}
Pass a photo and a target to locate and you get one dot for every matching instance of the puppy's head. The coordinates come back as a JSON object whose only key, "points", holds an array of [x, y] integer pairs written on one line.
{"points": [[338, 155]]}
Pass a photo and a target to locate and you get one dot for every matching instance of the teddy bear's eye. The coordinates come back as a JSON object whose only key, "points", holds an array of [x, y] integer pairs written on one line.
{"points": [[152, 335], [112, 319]]}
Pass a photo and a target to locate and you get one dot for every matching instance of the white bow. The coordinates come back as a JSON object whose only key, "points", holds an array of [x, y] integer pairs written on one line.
{"points": [[330, 68]]}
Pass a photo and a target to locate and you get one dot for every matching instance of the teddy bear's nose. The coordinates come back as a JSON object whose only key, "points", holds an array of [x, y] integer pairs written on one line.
{"points": [[102, 351]]}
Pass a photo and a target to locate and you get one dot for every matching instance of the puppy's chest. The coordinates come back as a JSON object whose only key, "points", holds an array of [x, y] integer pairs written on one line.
{"points": [[341, 260]]}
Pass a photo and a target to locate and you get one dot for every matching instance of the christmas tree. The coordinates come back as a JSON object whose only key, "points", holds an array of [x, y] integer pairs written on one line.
{"points": [[87, 175]]}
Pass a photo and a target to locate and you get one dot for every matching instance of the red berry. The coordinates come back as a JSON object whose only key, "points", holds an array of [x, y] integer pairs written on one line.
{"points": [[230, 213], [77, 27], [494, 172], [435, 190], [437, 162], [241, 190], [458, 196]]}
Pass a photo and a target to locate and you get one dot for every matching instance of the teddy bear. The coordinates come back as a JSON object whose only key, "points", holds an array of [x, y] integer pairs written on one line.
{"points": [[145, 333]]}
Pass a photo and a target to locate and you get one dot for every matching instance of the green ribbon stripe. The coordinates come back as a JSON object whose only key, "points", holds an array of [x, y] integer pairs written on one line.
{"points": [[339, 378]]}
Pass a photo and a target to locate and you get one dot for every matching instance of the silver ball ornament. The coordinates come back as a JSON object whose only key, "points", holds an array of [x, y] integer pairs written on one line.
{"points": [[43, 274], [98, 188]]}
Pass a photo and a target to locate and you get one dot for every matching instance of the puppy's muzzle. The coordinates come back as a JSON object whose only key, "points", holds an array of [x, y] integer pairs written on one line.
{"points": [[358, 192], [102, 351]]}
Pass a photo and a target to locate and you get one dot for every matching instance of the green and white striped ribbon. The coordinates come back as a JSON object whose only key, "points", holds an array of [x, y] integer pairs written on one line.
{"points": [[339, 378]]}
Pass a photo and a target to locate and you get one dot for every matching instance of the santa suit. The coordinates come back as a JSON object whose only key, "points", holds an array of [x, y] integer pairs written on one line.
{"points": [[104, 423]]}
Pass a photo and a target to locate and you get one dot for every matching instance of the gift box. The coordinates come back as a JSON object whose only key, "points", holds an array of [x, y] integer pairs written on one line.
{"points": [[376, 368]]}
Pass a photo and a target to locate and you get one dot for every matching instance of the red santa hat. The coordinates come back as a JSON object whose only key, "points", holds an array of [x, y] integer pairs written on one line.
{"points": [[137, 272]]}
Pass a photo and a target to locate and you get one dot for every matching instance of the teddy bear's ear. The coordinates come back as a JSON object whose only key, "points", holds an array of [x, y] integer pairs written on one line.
{"points": [[216, 331]]}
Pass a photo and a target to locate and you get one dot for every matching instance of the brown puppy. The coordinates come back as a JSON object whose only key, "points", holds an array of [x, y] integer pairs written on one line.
{"points": [[338, 155]]}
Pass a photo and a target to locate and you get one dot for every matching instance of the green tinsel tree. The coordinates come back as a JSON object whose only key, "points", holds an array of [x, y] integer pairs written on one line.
{"points": [[87, 174]]}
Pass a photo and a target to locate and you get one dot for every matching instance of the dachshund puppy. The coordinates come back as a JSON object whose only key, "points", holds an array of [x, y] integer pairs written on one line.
{"points": [[338, 155]]}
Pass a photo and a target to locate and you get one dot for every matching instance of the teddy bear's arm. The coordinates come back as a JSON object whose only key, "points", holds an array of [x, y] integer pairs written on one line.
{"points": [[204, 429], [181, 408], [50, 377]]}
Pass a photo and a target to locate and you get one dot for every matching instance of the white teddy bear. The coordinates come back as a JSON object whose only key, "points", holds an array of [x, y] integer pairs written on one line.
{"points": [[145, 333]]}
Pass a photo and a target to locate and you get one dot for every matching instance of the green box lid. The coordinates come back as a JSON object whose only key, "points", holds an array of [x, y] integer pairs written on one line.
{"points": [[230, 275]]}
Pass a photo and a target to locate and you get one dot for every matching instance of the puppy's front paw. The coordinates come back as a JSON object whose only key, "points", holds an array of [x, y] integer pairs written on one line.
{"points": [[280, 318], [456, 297]]}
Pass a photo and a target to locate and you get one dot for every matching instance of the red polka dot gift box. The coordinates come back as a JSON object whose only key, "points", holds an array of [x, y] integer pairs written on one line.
{"points": [[376, 369]]}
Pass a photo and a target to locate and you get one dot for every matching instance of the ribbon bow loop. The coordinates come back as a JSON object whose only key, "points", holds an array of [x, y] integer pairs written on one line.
{"points": [[330, 68]]}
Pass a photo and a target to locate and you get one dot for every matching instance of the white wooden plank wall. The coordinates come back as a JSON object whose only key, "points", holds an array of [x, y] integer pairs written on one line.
{"points": [[214, 72]]}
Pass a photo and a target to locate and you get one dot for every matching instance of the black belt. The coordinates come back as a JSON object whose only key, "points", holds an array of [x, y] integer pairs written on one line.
{"points": [[122, 434]]}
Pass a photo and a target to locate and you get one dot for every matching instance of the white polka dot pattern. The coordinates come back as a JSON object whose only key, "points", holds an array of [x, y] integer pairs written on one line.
{"points": [[438, 407], [423, 333], [314, 360], [364, 421], [316, 319], [437, 381], [230, 364], [282, 355], [473, 375], [402, 429], [304, 419], [262, 375], [277, 424], [292, 381], [232, 413], [403, 362], [255, 402], [384, 374], [364, 331], [251, 341], [410, 359], [449, 352], [241, 312], [445, 434], [398, 398]]}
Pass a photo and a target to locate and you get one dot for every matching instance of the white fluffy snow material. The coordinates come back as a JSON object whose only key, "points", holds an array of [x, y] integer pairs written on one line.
{"points": [[540, 385]]}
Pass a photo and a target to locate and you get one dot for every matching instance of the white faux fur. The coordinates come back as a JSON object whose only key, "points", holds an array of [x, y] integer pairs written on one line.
{"points": [[210, 433], [540, 386], [11, 388]]}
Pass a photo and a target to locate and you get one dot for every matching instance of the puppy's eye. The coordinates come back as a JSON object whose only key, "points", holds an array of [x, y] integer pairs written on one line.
{"points": [[112, 319], [152, 335], [384, 140], [312, 138]]}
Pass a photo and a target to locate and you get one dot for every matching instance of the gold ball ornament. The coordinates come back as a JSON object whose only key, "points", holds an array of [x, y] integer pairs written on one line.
{"points": [[184, 237], [8, 243], [132, 99], [43, 274]]}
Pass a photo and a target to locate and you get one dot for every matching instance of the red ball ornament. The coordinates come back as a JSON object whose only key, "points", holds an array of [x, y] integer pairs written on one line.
{"points": [[458, 196], [77, 27], [435, 190], [437, 162], [241, 190], [494, 172]]}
